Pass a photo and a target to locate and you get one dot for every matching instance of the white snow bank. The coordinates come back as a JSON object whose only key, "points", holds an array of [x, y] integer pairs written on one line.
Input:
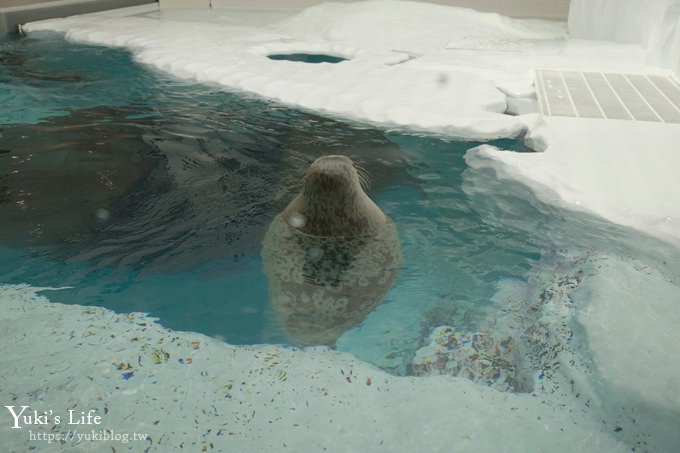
{"points": [[652, 24], [624, 171], [426, 68], [185, 390], [377, 84], [413, 65], [631, 314]]}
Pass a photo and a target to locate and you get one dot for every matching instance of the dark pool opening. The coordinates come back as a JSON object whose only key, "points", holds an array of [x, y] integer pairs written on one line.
{"points": [[307, 57]]}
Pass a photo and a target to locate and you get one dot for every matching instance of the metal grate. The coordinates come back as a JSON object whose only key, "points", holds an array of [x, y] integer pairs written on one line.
{"points": [[635, 97]]}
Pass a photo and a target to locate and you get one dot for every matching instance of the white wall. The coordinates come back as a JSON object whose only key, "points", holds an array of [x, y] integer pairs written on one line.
{"points": [[666, 40], [549, 9], [544, 9], [184, 4], [652, 24]]}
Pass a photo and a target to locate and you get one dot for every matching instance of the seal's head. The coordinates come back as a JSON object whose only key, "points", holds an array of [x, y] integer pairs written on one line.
{"points": [[333, 201]]}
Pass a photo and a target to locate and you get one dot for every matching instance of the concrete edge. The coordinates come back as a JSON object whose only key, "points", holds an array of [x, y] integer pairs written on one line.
{"points": [[12, 18]]}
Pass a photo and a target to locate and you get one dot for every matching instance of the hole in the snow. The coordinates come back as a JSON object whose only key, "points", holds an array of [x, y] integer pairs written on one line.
{"points": [[307, 57]]}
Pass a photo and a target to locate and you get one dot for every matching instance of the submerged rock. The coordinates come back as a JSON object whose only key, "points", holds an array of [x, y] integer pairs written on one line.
{"points": [[478, 356]]}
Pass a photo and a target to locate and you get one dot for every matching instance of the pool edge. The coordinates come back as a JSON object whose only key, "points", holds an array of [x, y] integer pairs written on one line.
{"points": [[11, 18]]}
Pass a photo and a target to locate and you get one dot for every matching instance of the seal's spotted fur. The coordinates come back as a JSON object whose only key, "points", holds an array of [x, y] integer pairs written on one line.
{"points": [[331, 256]]}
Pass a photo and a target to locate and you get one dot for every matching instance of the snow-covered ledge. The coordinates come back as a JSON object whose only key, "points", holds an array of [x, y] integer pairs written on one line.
{"points": [[652, 24]]}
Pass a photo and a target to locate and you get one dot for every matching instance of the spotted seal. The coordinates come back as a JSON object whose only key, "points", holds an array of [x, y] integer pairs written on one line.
{"points": [[330, 256]]}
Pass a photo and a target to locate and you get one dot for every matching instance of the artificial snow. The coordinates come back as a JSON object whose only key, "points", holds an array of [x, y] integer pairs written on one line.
{"points": [[428, 69], [182, 390], [630, 313], [624, 171]]}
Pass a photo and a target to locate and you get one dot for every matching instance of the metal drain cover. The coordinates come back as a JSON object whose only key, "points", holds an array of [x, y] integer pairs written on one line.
{"points": [[608, 95]]}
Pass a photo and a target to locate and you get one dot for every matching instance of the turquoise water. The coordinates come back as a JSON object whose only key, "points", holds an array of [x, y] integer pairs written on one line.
{"points": [[144, 193]]}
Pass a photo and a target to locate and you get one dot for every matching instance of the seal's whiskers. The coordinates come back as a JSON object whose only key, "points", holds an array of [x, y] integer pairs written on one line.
{"points": [[364, 178]]}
